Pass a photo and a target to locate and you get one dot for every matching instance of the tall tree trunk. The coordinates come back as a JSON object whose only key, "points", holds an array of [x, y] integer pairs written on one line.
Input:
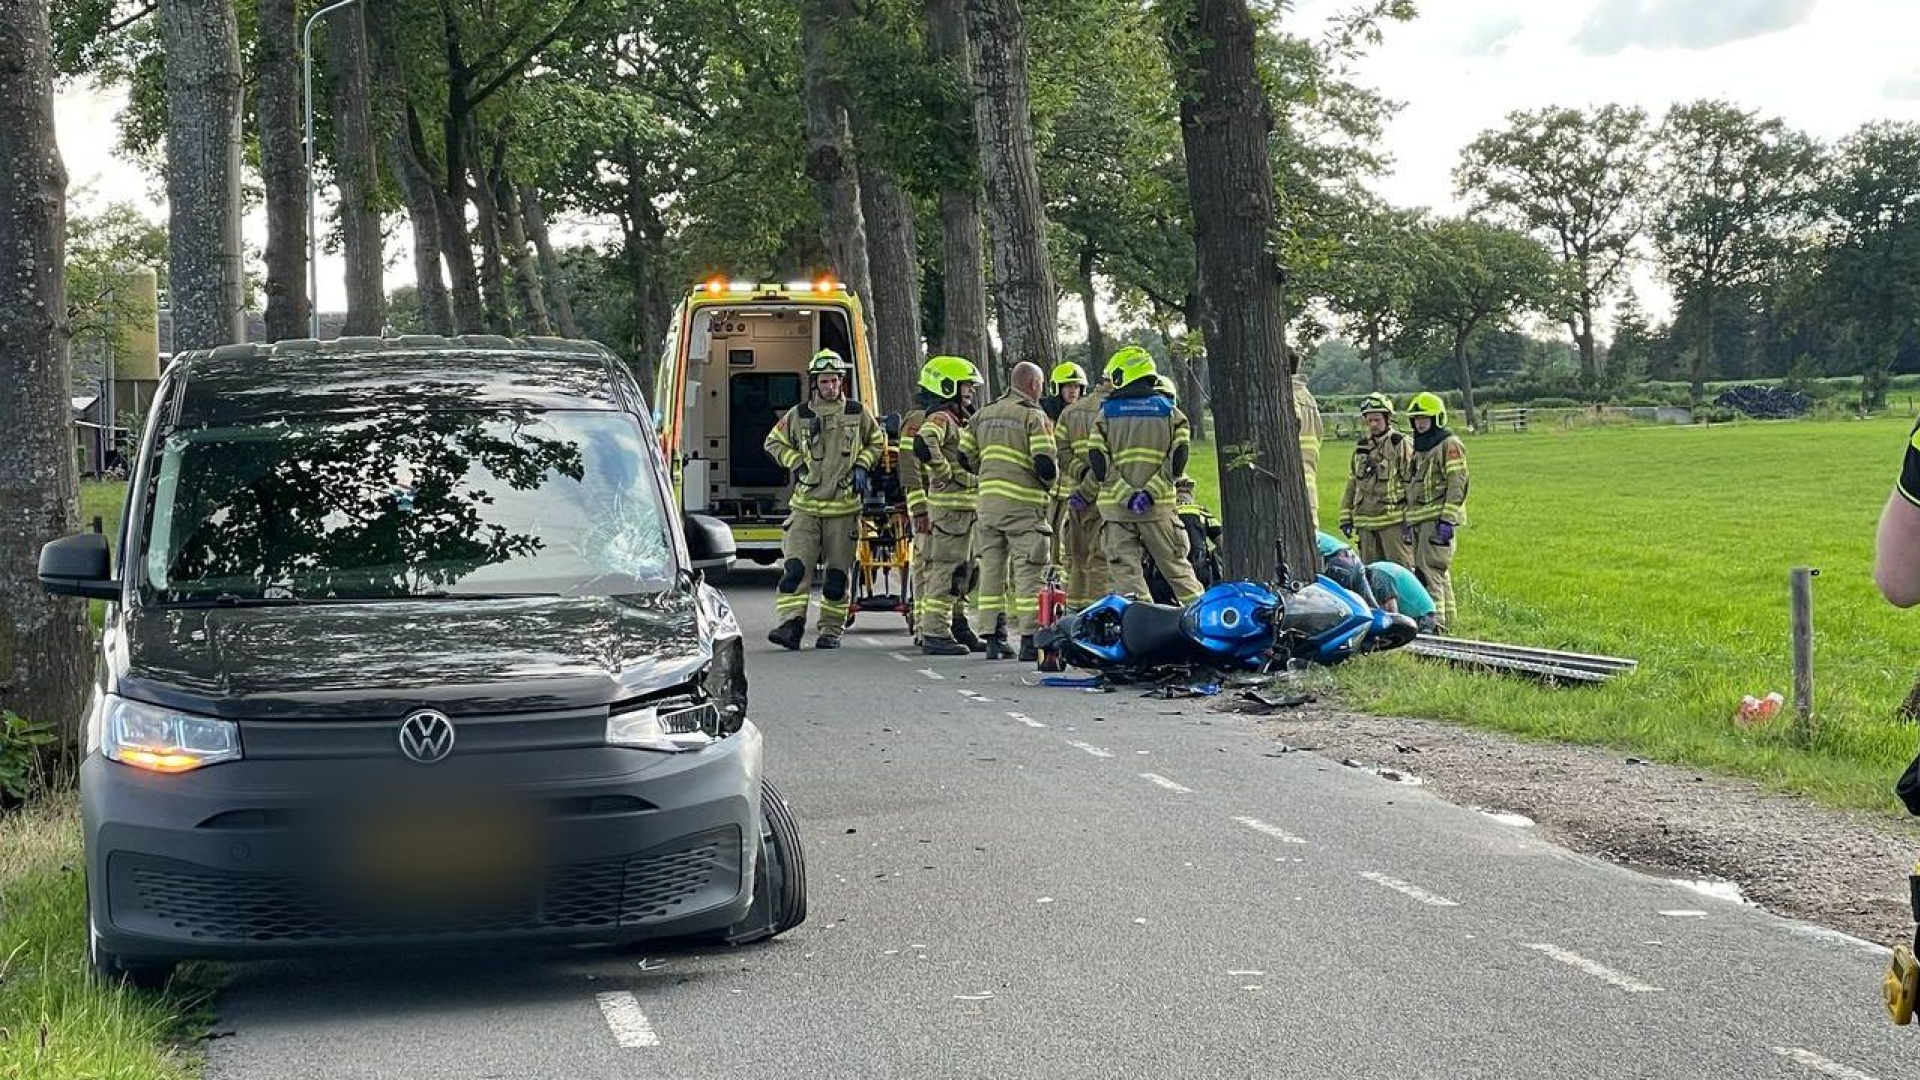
{"points": [[1464, 373], [283, 170], [635, 217], [1090, 305], [493, 266], [204, 276], [46, 662], [894, 250], [552, 278], [1225, 121], [963, 274], [455, 128], [410, 174], [526, 269], [830, 164], [1703, 348], [1373, 360], [1016, 214], [356, 166]]}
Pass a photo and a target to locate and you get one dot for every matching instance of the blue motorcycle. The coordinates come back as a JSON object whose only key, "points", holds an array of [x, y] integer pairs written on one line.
{"points": [[1233, 626]]}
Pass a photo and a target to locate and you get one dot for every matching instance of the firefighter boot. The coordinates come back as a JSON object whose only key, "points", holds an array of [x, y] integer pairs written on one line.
{"points": [[788, 634], [1029, 652], [963, 633], [827, 641], [942, 646]]}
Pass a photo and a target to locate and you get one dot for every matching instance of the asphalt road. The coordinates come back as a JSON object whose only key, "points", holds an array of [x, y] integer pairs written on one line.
{"points": [[1018, 881]]}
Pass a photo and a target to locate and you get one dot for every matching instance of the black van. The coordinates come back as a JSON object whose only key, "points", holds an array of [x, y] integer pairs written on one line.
{"points": [[408, 645]]}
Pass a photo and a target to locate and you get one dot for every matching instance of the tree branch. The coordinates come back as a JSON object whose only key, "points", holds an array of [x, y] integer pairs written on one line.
{"points": [[113, 28], [494, 84]]}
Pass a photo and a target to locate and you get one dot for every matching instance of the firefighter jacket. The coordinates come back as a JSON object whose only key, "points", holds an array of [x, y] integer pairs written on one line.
{"points": [[1306, 410], [909, 465], [1011, 443], [821, 443], [1144, 437], [946, 473], [1377, 478], [1074, 437], [1437, 490]]}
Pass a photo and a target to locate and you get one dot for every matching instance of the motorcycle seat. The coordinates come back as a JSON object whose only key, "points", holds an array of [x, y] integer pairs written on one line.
{"points": [[1150, 630]]}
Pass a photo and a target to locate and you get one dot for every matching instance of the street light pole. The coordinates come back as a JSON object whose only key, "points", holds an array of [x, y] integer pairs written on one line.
{"points": [[313, 234]]}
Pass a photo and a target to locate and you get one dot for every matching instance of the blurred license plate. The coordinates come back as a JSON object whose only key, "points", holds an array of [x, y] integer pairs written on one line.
{"points": [[445, 852]]}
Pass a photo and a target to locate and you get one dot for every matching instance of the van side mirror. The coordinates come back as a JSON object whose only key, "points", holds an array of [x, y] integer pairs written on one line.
{"points": [[79, 566], [709, 542]]}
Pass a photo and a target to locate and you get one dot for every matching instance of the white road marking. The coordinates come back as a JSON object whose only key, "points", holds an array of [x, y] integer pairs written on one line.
{"points": [[1822, 933], [1161, 781], [1415, 891], [1089, 748], [1244, 973], [1819, 1064], [1594, 968], [1684, 913], [873, 641], [1027, 720], [1274, 831], [932, 674], [902, 657], [630, 1026], [973, 695]]}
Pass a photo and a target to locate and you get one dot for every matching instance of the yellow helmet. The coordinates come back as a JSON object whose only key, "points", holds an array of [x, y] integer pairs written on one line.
{"points": [[1066, 374], [826, 362], [942, 376], [1130, 365], [1377, 402], [1428, 404]]}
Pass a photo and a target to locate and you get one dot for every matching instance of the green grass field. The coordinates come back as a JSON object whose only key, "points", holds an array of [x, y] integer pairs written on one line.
{"points": [[1672, 546], [55, 1021]]}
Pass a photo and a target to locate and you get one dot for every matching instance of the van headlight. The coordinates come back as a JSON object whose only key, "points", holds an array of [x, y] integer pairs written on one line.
{"points": [[672, 725], [162, 740]]}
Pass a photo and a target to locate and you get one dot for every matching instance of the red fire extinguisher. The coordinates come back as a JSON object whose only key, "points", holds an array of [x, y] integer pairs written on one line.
{"points": [[1053, 600]]}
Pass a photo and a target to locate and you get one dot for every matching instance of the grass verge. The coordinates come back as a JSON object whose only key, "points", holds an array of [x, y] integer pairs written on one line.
{"points": [[56, 1023], [1672, 546]]}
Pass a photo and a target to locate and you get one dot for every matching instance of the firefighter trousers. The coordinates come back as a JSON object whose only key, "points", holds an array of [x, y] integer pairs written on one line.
{"points": [[1384, 545], [1128, 542], [1433, 561], [948, 572], [1013, 541], [830, 543]]}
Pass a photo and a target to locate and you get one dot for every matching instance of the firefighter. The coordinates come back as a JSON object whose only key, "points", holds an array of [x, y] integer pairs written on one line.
{"points": [[918, 512], [1436, 499], [828, 443], [1012, 442], [1139, 448], [1078, 531], [1065, 385], [947, 386], [1373, 509], [1306, 411]]}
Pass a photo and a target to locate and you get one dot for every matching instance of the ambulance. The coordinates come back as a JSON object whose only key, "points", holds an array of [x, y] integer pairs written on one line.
{"points": [[735, 360]]}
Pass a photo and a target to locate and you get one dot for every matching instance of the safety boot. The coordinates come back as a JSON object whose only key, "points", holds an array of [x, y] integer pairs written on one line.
{"points": [[827, 641], [997, 647], [788, 634], [1029, 652], [942, 646], [963, 633]]}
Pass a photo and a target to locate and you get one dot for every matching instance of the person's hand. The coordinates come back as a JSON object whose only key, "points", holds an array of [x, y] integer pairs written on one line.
{"points": [[922, 524], [1140, 503], [862, 483], [1443, 532], [1346, 529], [1077, 501], [1406, 534], [800, 476]]}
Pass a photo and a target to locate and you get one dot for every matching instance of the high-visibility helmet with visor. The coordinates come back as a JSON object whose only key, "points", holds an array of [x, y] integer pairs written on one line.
{"points": [[1067, 374], [1130, 365], [827, 362], [1428, 404], [1376, 402], [942, 376]]}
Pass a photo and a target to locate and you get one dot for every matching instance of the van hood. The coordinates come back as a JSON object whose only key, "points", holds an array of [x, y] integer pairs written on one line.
{"points": [[371, 660]]}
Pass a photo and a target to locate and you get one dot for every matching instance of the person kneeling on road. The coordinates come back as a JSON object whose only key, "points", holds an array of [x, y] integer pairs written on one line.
{"points": [[828, 443], [1140, 445]]}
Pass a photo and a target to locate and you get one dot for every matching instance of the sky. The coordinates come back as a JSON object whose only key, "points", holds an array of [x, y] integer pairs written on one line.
{"points": [[1826, 66]]}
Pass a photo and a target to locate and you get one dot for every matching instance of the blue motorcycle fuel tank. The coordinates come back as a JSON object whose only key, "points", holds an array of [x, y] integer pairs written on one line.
{"points": [[1232, 619]]}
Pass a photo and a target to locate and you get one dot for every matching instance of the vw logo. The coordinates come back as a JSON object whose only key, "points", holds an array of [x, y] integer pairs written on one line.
{"points": [[426, 736]]}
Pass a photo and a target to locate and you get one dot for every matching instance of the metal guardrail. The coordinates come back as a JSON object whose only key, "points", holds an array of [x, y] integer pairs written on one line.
{"points": [[1523, 660]]}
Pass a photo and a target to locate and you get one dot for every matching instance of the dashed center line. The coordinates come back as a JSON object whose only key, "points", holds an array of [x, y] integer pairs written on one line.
{"points": [[902, 657], [1265, 829], [630, 1026], [1027, 720], [1819, 1064], [873, 641], [974, 696], [1415, 891], [1160, 781], [1594, 968], [1089, 748], [932, 674]]}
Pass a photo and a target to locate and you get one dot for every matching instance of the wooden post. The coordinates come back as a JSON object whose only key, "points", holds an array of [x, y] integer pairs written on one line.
{"points": [[1800, 583]]}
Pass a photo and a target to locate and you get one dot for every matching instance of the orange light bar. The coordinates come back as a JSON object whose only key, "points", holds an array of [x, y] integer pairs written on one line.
{"points": [[174, 762], [715, 285]]}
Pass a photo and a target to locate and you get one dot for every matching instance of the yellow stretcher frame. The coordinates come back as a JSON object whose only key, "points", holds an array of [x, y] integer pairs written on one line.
{"points": [[883, 558]]}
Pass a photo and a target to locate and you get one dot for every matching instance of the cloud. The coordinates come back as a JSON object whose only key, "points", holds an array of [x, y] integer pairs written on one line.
{"points": [[1903, 87], [1492, 36], [1617, 25]]}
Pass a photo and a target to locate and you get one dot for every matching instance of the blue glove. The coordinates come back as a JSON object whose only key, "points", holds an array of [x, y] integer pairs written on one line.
{"points": [[1077, 501], [1140, 503], [1346, 529], [1443, 532], [1406, 534], [861, 482]]}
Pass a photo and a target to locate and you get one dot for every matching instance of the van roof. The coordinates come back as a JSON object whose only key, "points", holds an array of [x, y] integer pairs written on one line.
{"points": [[238, 383]]}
